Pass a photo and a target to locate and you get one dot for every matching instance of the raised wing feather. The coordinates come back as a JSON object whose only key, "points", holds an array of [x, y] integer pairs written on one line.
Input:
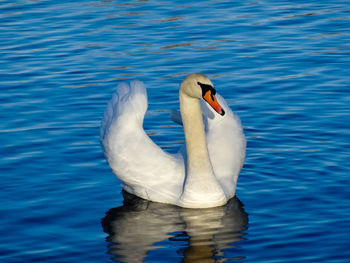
{"points": [[226, 144], [145, 169]]}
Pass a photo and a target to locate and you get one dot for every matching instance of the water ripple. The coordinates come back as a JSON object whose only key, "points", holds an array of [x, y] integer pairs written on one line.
{"points": [[282, 66]]}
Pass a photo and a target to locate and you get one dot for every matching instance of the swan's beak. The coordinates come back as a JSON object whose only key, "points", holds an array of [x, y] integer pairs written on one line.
{"points": [[211, 99]]}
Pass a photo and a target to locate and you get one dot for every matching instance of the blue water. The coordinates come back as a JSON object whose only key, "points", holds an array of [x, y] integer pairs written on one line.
{"points": [[284, 68]]}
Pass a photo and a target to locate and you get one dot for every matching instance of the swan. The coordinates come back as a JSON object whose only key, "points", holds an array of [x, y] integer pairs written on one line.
{"points": [[202, 174]]}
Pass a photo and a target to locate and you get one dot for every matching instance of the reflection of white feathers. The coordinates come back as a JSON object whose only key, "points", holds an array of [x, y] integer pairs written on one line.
{"points": [[137, 228], [151, 173]]}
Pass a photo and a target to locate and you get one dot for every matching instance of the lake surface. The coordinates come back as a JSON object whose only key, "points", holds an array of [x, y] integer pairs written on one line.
{"points": [[283, 67]]}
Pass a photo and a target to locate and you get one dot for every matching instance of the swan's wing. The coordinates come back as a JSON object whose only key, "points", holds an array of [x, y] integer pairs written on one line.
{"points": [[145, 169], [226, 144]]}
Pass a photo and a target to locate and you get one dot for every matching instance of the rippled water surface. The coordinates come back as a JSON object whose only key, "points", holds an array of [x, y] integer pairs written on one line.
{"points": [[283, 66]]}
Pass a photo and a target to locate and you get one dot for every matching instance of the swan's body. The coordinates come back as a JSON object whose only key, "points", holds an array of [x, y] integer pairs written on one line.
{"points": [[215, 147]]}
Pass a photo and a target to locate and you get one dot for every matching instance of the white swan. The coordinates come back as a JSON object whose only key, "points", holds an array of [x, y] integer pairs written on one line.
{"points": [[215, 147]]}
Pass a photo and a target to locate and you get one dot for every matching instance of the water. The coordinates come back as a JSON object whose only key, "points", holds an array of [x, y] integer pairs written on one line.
{"points": [[284, 67]]}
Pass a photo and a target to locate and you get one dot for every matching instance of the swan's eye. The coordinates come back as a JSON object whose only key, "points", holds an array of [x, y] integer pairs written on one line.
{"points": [[205, 88]]}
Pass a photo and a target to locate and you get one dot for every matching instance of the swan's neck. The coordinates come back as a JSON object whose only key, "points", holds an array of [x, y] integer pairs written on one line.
{"points": [[201, 188], [198, 162]]}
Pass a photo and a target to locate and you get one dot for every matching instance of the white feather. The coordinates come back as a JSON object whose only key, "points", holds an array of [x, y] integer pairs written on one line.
{"points": [[151, 173]]}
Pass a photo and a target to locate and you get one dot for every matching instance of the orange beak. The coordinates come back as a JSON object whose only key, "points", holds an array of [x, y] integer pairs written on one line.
{"points": [[211, 99]]}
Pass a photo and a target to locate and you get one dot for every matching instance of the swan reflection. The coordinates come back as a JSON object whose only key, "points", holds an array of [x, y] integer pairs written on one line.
{"points": [[140, 226]]}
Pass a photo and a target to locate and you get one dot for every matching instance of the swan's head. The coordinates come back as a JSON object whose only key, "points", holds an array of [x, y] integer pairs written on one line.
{"points": [[199, 86]]}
